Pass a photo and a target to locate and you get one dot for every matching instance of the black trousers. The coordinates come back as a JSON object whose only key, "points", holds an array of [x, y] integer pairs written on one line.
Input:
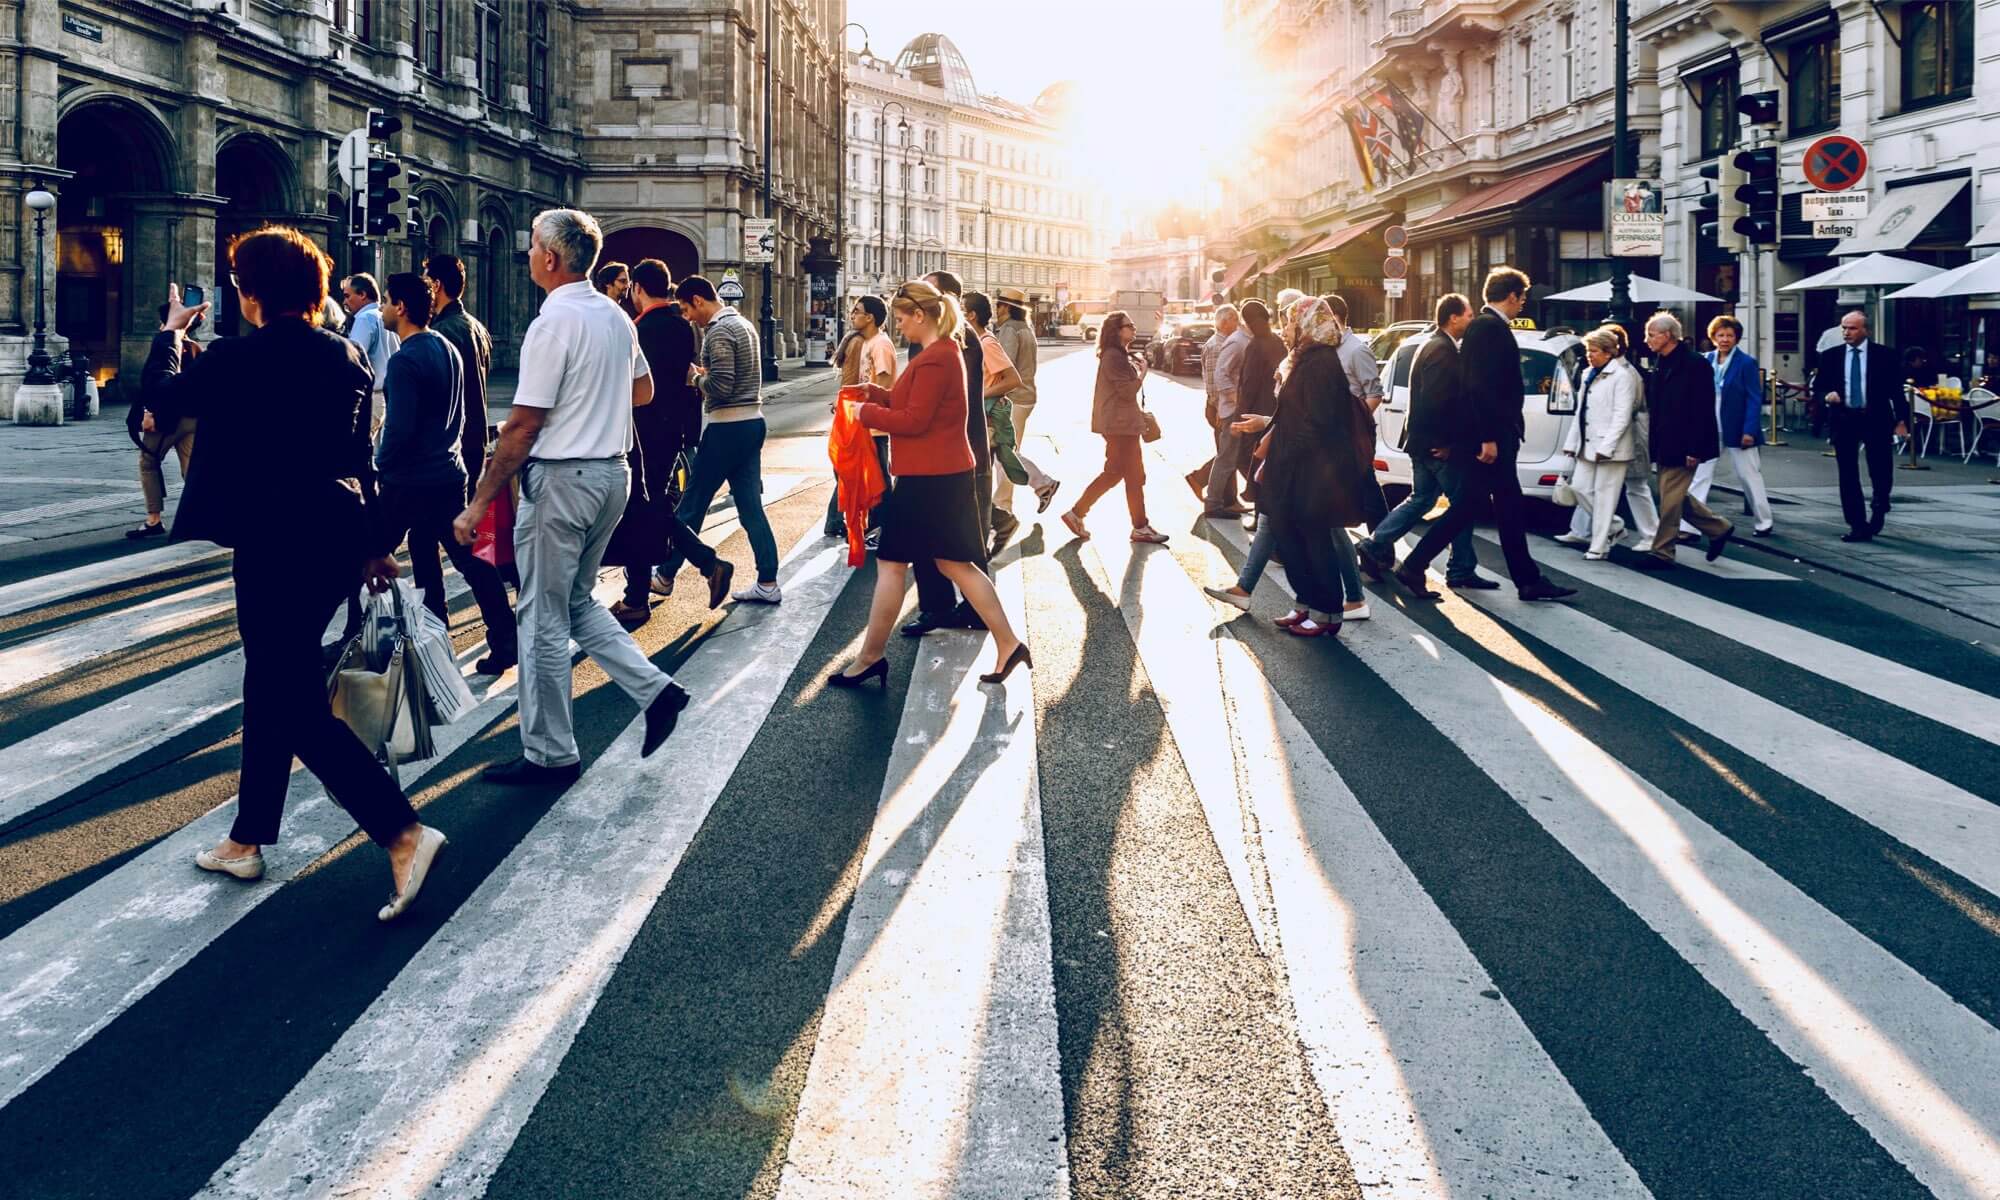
{"points": [[425, 514], [1309, 564], [283, 601], [1497, 481], [1853, 438], [659, 443], [935, 594]]}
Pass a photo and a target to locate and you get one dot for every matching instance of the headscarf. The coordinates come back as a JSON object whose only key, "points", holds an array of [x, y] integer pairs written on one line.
{"points": [[1309, 322]]}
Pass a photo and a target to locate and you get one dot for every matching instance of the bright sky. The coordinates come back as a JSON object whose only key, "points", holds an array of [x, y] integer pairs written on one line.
{"points": [[1145, 71]]}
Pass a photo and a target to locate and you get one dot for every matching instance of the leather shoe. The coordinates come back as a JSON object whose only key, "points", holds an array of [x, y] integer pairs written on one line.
{"points": [[1372, 564], [1653, 562], [1716, 543], [1542, 589], [1858, 535], [1875, 522], [924, 624], [498, 663], [1416, 581], [662, 715], [522, 773], [962, 617], [1473, 583]]}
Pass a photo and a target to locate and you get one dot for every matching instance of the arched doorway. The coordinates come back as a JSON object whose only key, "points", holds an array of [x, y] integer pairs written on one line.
{"points": [[110, 269], [254, 178], [629, 245]]}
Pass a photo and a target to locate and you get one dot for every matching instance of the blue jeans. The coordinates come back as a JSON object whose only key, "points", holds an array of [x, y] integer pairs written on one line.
{"points": [[1266, 541], [1429, 478], [731, 452]]}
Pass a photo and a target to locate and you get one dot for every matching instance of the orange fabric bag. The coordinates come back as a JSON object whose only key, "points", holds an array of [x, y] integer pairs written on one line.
{"points": [[852, 448]]}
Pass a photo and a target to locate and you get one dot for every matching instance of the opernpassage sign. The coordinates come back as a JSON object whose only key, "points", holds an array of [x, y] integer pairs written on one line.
{"points": [[1835, 163]]}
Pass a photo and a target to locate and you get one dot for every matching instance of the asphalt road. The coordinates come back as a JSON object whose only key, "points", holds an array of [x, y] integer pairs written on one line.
{"points": [[1689, 888]]}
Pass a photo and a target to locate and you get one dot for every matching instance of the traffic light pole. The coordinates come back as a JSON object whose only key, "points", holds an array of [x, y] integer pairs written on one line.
{"points": [[1621, 159], [766, 314]]}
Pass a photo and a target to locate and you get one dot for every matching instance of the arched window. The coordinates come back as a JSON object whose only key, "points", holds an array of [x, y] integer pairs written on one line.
{"points": [[493, 281]]}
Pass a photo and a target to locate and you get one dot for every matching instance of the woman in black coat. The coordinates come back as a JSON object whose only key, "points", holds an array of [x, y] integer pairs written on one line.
{"points": [[1318, 469], [286, 479]]}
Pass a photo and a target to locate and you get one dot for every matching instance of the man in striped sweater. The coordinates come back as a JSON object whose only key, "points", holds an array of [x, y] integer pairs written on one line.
{"points": [[731, 450]]}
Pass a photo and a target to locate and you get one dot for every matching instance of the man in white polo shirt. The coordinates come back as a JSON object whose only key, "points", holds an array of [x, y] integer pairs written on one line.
{"points": [[582, 374]]}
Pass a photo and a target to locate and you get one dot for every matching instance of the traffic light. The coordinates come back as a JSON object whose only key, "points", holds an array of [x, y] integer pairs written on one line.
{"points": [[1758, 108], [385, 204], [402, 206], [413, 226], [1759, 194], [1720, 210], [382, 126]]}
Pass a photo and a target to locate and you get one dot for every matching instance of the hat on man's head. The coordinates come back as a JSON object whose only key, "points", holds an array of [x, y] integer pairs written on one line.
{"points": [[1012, 295]]}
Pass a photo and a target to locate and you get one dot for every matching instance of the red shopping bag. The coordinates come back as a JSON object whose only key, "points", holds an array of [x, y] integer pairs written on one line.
{"points": [[493, 538], [852, 448]]}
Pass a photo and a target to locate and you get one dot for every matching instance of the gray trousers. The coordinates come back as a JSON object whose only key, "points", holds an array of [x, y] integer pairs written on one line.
{"points": [[568, 509]]}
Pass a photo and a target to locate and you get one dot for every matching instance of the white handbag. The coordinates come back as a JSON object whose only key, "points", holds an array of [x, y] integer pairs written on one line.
{"points": [[1564, 495], [386, 707], [450, 698]]}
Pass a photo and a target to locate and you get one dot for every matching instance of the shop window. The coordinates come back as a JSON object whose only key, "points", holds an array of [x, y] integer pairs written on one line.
{"points": [[1815, 84], [1715, 97], [1581, 258], [1937, 52]]}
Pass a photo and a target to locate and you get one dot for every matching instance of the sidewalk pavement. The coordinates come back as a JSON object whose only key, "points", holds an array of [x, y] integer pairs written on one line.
{"points": [[1941, 543], [82, 478]]}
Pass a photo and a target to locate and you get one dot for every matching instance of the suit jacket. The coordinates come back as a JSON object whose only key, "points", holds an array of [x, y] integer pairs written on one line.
{"points": [[1681, 397], [1491, 362], [1741, 397], [669, 344], [285, 461], [1437, 399], [1260, 375], [475, 349], [1887, 404]]}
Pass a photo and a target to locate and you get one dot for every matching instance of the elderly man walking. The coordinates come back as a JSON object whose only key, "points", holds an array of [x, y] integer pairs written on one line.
{"points": [[1681, 398], [1229, 347], [582, 374]]}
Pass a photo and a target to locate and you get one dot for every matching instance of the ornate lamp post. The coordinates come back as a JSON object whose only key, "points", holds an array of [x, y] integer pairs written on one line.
{"points": [[40, 369], [986, 228], [766, 315], [882, 181], [840, 167], [909, 175]]}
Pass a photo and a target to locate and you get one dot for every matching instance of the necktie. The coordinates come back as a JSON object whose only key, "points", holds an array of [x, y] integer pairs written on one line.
{"points": [[1854, 397]]}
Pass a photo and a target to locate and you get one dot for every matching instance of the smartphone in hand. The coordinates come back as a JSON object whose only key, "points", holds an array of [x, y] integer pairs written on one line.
{"points": [[193, 296]]}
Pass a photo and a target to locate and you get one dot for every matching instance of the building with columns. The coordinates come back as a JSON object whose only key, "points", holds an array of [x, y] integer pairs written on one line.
{"points": [[988, 185], [164, 127]]}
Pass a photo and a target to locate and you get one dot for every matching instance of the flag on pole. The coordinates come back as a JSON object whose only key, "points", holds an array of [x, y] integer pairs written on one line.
{"points": [[1363, 129], [1409, 119]]}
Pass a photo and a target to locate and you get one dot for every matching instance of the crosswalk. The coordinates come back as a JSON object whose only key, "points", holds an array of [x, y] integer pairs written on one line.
{"points": [[1691, 888]]}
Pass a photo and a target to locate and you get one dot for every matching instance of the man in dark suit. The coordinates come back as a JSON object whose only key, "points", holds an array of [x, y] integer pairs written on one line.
{"points": [[660, 431], [1436, 414], [1863, 391], [1486, 442], [1680, 395]]}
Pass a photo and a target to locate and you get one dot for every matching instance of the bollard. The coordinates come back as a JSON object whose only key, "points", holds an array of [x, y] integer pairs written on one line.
{"points": [[1771, 402]]}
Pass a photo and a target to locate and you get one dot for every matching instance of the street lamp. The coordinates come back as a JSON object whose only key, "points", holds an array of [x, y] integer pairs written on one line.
{"points": [[1621, 159], [986, 226], [39, 368], [767, 318], [840, 168], [907, 176], [882, 180]]}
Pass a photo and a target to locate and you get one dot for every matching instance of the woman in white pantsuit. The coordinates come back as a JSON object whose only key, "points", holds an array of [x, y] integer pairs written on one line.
{"points": [[1603, 438]]}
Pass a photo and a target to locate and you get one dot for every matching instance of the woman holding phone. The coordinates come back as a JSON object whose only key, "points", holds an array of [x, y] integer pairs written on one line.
{"points": [[930, 511]]}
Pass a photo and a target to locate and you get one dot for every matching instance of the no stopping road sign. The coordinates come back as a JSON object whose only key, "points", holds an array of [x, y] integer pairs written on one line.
{"points": [[1835, 163]]}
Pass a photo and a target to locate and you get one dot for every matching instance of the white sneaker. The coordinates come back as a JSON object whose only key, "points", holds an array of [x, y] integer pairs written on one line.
{"points": [[1228, 597], [662, 585], [1573, 539], [1359, 613], [758, 594]]}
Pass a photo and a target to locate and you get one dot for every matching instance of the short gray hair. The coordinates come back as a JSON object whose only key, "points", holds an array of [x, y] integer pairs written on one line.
{"points": [[1667, 323], [572, 235], [1226, 310], [1605, 340]]}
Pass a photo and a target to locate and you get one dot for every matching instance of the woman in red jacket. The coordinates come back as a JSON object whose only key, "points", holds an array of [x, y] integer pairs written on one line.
{"points": [[930, 511]]}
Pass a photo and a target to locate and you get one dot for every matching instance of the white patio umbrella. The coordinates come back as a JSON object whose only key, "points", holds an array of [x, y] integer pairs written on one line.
{"points": [[1644, 291], [1980, 277], [1874, 270]]}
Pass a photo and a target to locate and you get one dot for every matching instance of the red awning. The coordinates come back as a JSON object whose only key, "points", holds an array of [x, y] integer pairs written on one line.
{"points": [[1237, 270], [1508, 194], [1278, 264]]}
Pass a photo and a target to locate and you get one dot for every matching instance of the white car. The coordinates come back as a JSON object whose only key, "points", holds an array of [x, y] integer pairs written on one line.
{"points": [[1549, 364]]}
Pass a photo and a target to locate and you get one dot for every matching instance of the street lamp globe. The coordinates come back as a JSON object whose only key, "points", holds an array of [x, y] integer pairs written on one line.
{"points": [[41, 200]]}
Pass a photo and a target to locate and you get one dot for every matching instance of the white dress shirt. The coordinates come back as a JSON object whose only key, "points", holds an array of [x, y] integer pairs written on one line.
{"points": [[578, 360]]}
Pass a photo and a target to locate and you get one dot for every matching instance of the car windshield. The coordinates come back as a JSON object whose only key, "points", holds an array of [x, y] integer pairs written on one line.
{"points": [[1199, 333], [1388, 340], [1538, 372]]}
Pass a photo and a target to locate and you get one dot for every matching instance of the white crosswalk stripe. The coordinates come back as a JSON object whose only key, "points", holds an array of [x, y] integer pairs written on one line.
{"points": [[936, 1061]]}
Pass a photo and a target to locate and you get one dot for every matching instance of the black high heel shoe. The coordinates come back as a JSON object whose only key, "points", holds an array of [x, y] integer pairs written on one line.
{"points": [[879, 669], [1019, 658]]}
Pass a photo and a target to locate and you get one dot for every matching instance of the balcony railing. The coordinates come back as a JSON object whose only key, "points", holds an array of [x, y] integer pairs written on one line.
{"points": [[1406, 21]]}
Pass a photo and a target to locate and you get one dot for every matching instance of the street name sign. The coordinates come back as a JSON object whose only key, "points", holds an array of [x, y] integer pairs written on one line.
{"points": [[1835, 163], [1833, 206], [731, 287]]}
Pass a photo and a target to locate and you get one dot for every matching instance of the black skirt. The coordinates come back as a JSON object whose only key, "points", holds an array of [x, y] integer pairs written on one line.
{"points": [[930, 516]]}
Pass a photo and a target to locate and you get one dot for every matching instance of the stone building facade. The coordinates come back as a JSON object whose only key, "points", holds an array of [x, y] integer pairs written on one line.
{"points": [[669, 99], [988, 184], [165, 127]]}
